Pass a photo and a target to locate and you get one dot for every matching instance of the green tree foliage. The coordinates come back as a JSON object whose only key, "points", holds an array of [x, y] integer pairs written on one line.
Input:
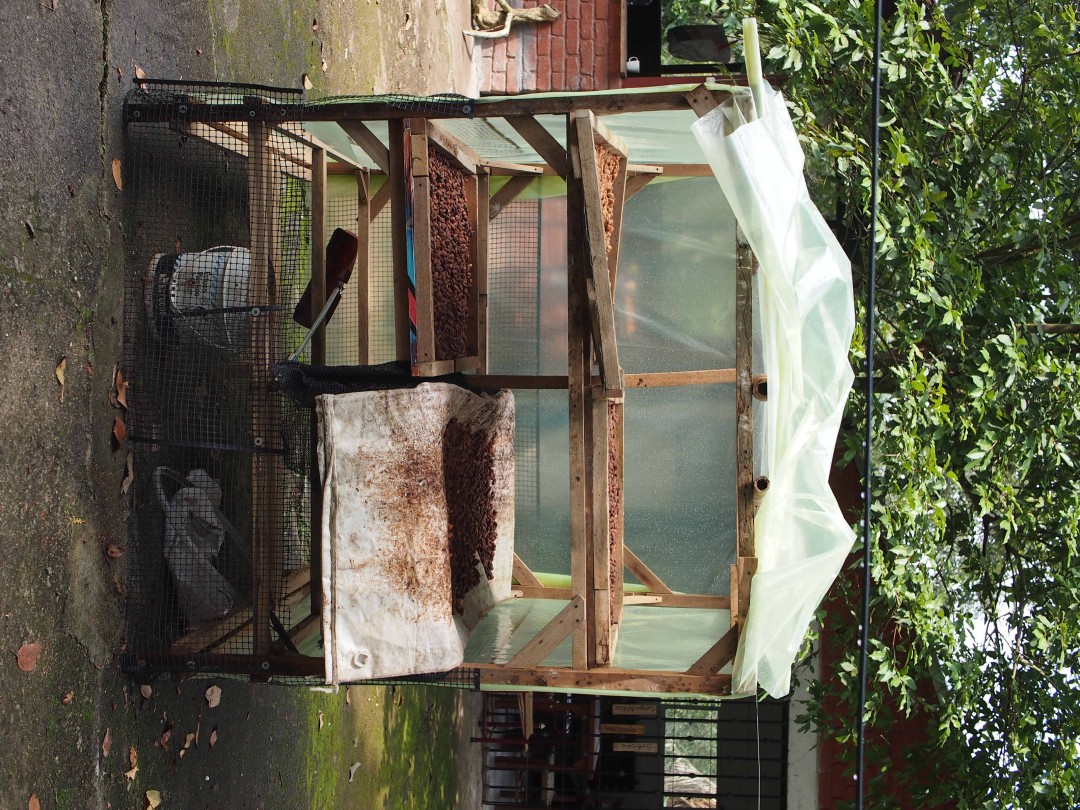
{"points": [[977, 429]]}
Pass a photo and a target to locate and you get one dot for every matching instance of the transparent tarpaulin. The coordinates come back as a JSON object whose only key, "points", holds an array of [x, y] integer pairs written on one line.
{"points": [[808, 317]]}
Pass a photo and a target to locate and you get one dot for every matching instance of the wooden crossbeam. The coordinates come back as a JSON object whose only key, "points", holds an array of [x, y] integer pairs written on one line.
{"points": [[633, 169], [612, 678], [234, 140], [296, 132], [506, 167], [718, 655], [508, 193], [600, 615], [644, 574], [362, 279], [635, 184], [483, 260], [555, 382], [369, 142], [744, 398], [461, 155], [601, 310], [701, 100], [673, 600], [542, 141], [552, 634], [524, 575]]}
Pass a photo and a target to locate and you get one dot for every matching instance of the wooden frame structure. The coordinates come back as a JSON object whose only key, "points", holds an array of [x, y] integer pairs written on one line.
{"points": [[594, 381]]}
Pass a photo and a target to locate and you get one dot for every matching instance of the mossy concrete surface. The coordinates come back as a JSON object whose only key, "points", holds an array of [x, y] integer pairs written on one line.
{"points": [[66, 66]]}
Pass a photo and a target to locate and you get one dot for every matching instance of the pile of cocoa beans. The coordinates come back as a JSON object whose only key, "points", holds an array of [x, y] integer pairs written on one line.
{"points": [[469, 476], [451, 257]]}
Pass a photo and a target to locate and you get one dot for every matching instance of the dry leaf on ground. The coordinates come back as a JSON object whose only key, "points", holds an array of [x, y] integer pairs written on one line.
{"points": [[153, 799], [130, 775], [106, 744], [28, 656], [118, 174], [67, 698], [348, 697], [146, 690], [113, 551], [61, 367], [213, 696], [320, 721], [133, 756], [33, 803], [308, 85], [352, 770], [129, 475], [165, 737], [188, 740], [140, 74], [121, 389], [213, 738], [119, 431]]}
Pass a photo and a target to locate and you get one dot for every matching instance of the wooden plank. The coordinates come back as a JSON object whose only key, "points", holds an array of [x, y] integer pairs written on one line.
{"points": [[600, 539], [664, 379], [266, 468], [483, 260], [492, 166], [554, 632], [618, 597], [395, 191], [507, 194], [633, 169], [370, 143], [543, 142], [622, 728], [613, 678], [524, 575], [542, 592], [422, 247], [462, 364], [644, 574], [361, 281], [472, 316], [234, 140], [671, 600], [747, 567], [642, 599], [733, 590], [655, 168], [702, 101], [596, 264], [635, 184], [436, 368], [718, 655], [318, 254], [602, 133], [296, 132], [381, 198], [460, 154], [578, 371], [744, 399], [617, 219]]}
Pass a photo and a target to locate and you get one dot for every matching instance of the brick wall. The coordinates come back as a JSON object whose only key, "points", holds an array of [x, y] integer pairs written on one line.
{"points": [[579, 51]]}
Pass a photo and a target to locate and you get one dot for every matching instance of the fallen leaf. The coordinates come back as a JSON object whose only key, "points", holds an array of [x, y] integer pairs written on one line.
{"points": [[60, 368], [198, 51], [140, 74], [198, 727], [320, 721], [146, 690], [119, 431], [106, 744], [308, 84], [129, 475], [352, 770], [165, 737], [315, 25], [153, 799], [325, 67], [77, 521], [28, 656], [121, 389], [116, 584], [348, 697], [213, 696], [29, 228], [130, 775], [118, 174], [182, 752], [408, 22], [188, 740], [133, 756], [67, 698], [114, 551], [33, 804], [213, 738], [119, 72]]}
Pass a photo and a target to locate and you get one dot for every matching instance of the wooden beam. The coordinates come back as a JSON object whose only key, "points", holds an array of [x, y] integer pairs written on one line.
{"points": [[395, 191], [600, 530], [747, 567], [578, 372], [362, 280], [460, 154], [296, 132], [718, 655], [617, 218], [618, 561], [633, 169], [702, 101], [421, 244], [266, 468], [654, 169], [664, 379], [612, 678], [483, 261], [524, 575], [369, 142], [234, 140], [552, 634], [643, 572], [744, 399], [507, 167], [543, 142], [508, 193], [602, 312], [635, 184], [602, 133], [381, 198], [318, 254], [668, 600]]}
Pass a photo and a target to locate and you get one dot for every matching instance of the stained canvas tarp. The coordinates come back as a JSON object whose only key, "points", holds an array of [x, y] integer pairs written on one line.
{"points": [[805, 296]]}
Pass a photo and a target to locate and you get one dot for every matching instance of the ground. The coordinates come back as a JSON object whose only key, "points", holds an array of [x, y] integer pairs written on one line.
{"points": [[67, 65]]}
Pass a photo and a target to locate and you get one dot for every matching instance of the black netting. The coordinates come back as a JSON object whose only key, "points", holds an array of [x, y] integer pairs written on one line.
{"points": [[441, 105]]}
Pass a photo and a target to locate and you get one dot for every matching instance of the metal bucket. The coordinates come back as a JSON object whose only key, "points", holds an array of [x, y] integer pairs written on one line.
{"points": [[201, 298]]}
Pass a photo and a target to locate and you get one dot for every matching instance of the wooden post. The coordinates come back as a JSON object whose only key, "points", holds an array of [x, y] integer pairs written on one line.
{"points": [[744, 412], [421, 247], [483, 269], [472, 321], [266, 468], [600, 532], [619, 557], [318, 253], [362, 282]]}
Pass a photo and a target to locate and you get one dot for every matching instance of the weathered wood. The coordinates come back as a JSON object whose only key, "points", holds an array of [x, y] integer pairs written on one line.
{"points": [[553, 633], [733, 589], [613, 141], [524, 575], [297, 133], [421, 246], [744, 412], [633, 169], [747, 568], [233, 139], [578, 372], [472, 316], [718, 655], [381, 198], [600, 532], [702, 101], [618, 598], [266, 468], [508, 167], [635, 184], [508, 193], [457, 152], [395, 192], [543, 142], [612, 678], [664, 379], [369, 142], [318, 254], [671, 600], [483, 260], [644, 574], [462, 364], [657, 168], [361, 281], [602, 312], [436, 368], [617, 219]]}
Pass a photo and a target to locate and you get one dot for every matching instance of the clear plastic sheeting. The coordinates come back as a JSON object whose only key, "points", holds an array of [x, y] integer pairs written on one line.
{"points": [[808, 318]]}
